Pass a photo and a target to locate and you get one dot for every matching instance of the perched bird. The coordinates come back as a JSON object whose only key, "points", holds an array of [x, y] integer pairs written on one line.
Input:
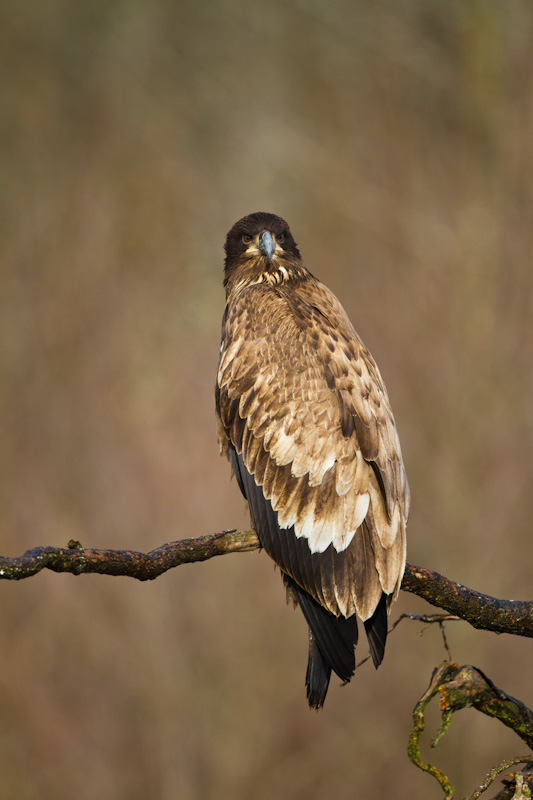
{"points": [[304, 418]]}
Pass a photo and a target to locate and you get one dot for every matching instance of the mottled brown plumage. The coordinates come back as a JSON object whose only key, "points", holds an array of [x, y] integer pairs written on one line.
{"points": [[305, 419]]}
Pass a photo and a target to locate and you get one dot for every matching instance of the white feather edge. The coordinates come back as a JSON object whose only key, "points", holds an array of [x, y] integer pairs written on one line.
{"points": [[321, 531]]}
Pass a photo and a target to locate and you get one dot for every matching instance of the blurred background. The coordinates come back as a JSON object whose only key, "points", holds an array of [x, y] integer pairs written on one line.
{"points": [[396, 139]]}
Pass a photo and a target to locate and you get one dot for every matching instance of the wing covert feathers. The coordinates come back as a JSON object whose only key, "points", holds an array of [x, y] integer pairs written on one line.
{"points": [[305, 419]]}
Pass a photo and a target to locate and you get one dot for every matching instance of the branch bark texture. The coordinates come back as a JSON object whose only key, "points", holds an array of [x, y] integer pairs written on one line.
{"points": [[461, 687], [480, 610]]}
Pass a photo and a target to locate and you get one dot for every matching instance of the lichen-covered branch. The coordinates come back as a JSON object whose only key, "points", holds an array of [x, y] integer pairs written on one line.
{"points": [[461, 687], [481, 611], [520, 782], [516, 784], [469, 686], [413, 749]]}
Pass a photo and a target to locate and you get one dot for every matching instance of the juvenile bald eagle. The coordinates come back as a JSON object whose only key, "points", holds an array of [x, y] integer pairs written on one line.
{"points": [[304, 418]]}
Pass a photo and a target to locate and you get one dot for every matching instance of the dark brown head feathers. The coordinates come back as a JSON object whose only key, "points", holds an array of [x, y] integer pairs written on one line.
{"points": [[251, 226]]}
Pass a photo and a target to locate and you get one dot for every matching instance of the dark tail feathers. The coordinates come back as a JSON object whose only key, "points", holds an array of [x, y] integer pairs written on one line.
{"points": [[376, 631], [317, 675], [332, 641], [331, 645]]}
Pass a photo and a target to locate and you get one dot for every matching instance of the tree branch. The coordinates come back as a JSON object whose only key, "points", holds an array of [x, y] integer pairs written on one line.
{"points": [[461, 687], [515, 783], [469, 686], [480, 610], [497, 770], [457, 687], [130, 563]]}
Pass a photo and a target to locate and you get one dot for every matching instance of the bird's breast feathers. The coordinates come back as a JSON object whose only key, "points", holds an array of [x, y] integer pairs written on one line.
{"points": [[302, 400]]}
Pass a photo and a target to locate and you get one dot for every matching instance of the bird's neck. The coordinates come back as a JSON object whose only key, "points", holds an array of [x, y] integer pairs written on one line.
{"points": [[276, 272]]}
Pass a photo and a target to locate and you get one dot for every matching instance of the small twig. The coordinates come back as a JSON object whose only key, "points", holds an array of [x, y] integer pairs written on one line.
{"points": [[519, 785], [363, 661], [445, 640], [493, 774], [429, 619]]}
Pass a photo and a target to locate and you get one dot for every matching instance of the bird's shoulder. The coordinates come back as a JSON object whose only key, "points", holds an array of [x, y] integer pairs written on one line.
{"points": [[290, 331]]}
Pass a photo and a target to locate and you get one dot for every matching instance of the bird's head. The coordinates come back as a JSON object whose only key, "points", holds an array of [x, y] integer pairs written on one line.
{"points": [[260, 248]]}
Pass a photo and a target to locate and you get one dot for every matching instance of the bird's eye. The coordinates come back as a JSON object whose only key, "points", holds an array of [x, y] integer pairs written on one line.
{"points": [[280, 238], [246, 239]]}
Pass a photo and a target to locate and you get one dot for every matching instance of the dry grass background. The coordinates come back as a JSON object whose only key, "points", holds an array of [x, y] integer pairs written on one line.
{"points": [[396, 138]]}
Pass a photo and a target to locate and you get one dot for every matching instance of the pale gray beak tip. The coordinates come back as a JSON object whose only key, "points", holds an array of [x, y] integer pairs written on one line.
{"points": [[267, 244]]}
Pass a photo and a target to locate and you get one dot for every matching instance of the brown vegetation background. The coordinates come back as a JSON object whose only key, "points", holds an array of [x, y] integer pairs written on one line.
{"points": [[396, 138]]}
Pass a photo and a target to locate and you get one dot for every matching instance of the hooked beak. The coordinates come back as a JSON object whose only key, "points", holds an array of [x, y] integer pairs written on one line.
{"points": [[267, 244]]}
